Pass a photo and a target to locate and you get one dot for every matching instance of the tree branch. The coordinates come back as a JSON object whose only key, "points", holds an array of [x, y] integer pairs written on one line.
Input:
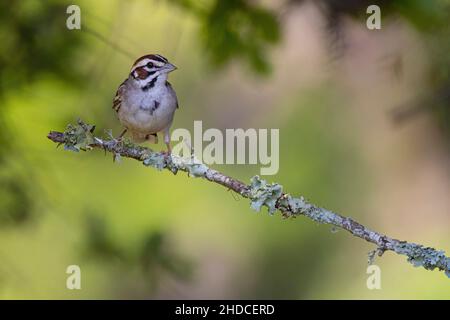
{"points": [[80, 137]]}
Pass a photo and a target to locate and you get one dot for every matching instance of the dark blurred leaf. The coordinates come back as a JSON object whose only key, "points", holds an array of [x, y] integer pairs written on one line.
{"points": [[35, 40], [154, 258], [15, 204], [157, 252], [236, 29], [431, 18], [99, 244], [426, 15]]}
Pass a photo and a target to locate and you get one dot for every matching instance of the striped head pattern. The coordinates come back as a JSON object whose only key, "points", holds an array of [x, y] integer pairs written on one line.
{"points": [[150, 67]]}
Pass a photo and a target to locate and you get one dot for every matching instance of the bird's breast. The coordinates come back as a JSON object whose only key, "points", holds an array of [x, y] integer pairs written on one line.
{"points": [[150, 111]]}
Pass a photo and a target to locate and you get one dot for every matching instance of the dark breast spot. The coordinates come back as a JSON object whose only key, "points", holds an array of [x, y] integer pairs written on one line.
{"points": [[152, 108], [155, 107], [150, 85]]}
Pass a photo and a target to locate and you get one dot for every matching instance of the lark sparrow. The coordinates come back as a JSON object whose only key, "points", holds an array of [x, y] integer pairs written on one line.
{"points": [[146, 102]]}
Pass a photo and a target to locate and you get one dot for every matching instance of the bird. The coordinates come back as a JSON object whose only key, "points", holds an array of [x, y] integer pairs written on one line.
{"points": [[146, 102]]}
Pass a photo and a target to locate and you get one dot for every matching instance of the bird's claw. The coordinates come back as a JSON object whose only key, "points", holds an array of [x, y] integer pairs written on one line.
{"points": [[118, 140], [166, 153]]}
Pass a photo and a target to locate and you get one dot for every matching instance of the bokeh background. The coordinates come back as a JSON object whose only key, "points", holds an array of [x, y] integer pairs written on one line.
{"points": [[364, 130]]}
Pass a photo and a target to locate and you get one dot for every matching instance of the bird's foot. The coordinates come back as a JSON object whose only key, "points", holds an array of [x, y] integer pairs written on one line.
{"points": [[113, 140], [120, 138], [167, 154], [152, 138]]}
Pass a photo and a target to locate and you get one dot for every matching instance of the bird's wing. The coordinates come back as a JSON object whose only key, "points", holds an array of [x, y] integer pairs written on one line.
{"points": [[172, 91], [117, 102]]}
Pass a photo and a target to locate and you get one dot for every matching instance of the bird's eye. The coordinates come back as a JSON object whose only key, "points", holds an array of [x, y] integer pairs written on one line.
{"points": [[150, 65]]}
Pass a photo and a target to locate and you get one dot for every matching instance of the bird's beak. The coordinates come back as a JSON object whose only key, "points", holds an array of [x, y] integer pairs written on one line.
{"points": [[170, 67]]}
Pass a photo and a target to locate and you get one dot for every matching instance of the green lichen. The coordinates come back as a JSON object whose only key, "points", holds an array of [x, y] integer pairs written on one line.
{"points": [[155, 160], [191, 165], [79, 137], [294, 206], [264, 194], [420, 256], [117, 157], [371, 257], [372, 254], [196, 169], [175, 163]]}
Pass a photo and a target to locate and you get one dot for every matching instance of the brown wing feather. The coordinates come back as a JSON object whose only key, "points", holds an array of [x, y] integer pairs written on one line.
{"points": [[117, 102]]}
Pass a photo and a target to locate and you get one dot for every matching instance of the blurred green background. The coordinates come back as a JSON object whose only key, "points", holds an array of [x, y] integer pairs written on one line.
{"points": [[364, 130]]}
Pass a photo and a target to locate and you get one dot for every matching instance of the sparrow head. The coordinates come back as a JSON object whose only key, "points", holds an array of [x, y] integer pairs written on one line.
{"points": [[150, 67]]}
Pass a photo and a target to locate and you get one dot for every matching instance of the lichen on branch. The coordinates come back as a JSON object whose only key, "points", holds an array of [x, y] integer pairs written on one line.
{"points": [[260, 192]]}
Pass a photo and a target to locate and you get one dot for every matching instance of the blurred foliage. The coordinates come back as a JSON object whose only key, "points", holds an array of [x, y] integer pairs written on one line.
{"points": [[32, 43], [99, 244], [430, 17], [426, 15], [235, 29], [15, 204], [155, 256]]}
